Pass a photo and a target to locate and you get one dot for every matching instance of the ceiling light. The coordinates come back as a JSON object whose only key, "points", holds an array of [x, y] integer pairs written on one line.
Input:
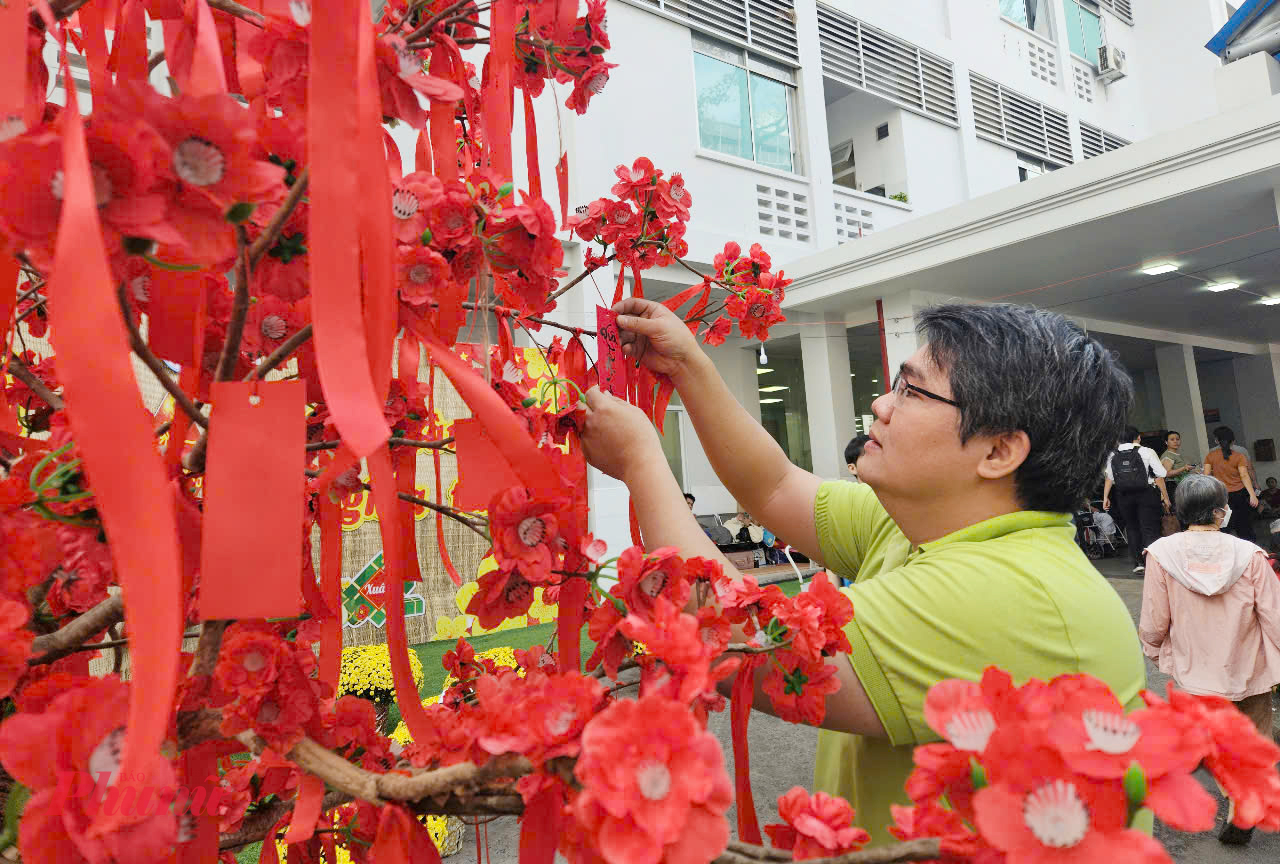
{"points": [[1159, 269], [853, 374], [773, 389], [875, 380], [767, 401], [1270, 301], [1222, 286], [762, 371]]}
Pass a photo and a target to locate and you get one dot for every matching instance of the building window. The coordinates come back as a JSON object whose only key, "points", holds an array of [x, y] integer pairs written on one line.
{"points": [[744, 104], [1031, 166], [1031, 14], [1084, 29]]}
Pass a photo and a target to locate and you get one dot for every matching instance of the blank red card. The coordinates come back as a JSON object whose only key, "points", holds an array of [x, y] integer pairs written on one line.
{"points": [[483, 470], [611, 363], [251, 557]]}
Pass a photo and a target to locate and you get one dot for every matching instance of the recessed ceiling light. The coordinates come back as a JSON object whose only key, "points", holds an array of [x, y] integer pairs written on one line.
{"points": [[760, 371], [1222, 286], [767, 401], [1270, 301], [1159, 269], [853, 374], [875, 380], [774, 389]]}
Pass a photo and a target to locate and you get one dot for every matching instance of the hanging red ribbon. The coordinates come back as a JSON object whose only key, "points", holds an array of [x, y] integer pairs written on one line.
{"points": [[329, 517], [444, 142], [422, 152], [200, 772], [498, 101], [740, 699], [562, 186], [441, 545], [531, 146], [540, 825], [129, 51], [13, 61], [377, 236], [114, 434], [617, 291], [342, 353], [383, 479], [93, 28], [8, 301], [306, 812]]}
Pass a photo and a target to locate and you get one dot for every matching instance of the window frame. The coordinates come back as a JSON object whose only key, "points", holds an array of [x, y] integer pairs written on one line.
{"points": [[752, 65], [1048, 35], [1095, 10]]}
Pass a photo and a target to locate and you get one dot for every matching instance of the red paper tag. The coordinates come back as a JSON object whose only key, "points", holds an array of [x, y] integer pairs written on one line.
{"points": [[253, 501], [611, 363], [482, 469]]}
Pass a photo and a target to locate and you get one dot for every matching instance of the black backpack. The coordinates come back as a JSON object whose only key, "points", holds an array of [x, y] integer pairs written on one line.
{"points": [[1128, 470]]}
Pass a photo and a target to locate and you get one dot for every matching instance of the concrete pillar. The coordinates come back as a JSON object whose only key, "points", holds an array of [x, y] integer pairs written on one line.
{"points": [[1258, 385], [824, 351], [737, 366], [1180, 393], [811, 128], [900, 339]]}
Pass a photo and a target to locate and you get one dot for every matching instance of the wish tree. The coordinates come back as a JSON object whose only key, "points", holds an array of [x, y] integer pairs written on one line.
{"points": [[233, 208]]}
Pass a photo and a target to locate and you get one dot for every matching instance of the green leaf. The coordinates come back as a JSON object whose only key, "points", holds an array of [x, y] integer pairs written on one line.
{"points": [[426, 237], [240, 212], [506, 189], [13, 807], [1135, 785], [977, 774]]}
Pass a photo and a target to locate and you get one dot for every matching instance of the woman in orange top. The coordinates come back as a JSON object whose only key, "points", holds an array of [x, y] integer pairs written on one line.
{"points": [[1232, 468]]}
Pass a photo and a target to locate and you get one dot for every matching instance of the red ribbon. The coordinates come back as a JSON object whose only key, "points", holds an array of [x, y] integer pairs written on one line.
{"points": [[341, 350], [617, 291], [200, 772], [422, 153], [13, 63], [376, 232], [444, 141], [383, 478], [498, 105], [439, 493], [740, 699], [531, 145], [562, 186], [93, 28], [129, 52], [306, 812], [114, 434], [330, 519], [8, 301], [540, 824]]}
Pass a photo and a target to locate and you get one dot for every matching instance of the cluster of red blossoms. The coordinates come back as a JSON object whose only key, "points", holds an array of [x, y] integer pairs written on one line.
{"points": [[1056, 772], [644, 222]]}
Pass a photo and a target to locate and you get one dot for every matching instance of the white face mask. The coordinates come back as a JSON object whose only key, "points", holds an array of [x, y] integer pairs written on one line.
{"points": [[1226, 516]]}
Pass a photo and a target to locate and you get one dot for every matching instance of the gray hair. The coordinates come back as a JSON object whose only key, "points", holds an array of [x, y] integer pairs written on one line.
{"points": [[1017, 368], [1197, 498]]}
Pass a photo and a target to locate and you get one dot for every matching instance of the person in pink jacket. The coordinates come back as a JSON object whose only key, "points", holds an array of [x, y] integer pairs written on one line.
{"points": [[1211, 610]]}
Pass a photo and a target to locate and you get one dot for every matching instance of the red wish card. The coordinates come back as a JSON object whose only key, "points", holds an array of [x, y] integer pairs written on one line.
{"points": [[611, 363], [251, 558]]}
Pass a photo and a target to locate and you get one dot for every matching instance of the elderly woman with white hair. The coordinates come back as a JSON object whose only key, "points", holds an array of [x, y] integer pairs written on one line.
{"points": [[1211, 610]]}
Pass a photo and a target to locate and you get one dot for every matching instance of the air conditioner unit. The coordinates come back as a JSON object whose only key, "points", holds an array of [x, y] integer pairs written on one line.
{"points": [[1111, 63]]}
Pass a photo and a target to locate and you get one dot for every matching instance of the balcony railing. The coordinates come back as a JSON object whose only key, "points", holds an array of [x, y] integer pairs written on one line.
{"points": [[858, 214]]}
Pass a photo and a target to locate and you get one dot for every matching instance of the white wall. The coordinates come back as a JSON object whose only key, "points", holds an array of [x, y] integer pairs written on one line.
{"points": [[1259, 405], [936, 176], [1148, 407], [879, 162]]}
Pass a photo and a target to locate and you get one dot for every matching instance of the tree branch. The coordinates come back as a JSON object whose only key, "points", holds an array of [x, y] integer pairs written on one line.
{"points": [[926, 849], [244, 13], [152, 362], [208, 648], [583, 275], [19, 370], [271, 233], [257, 824], [239, 311], [71, 636], [278, 356]]}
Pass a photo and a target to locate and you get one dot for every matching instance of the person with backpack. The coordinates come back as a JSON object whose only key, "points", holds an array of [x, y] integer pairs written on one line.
{"points": [[1136, 475]]}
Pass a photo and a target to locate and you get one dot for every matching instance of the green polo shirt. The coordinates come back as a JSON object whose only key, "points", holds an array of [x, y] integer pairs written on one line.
{"points": [[1014, 591]]}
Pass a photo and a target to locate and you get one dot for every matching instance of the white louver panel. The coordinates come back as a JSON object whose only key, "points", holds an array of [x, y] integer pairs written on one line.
{"points": [[763, 25], [1083, 81], [782, 212], [1097, 141], [1123, 9], [1023, 123], [864, 57]]}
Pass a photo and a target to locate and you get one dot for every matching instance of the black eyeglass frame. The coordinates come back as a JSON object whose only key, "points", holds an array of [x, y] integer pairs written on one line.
{"points": [[898, 381]]}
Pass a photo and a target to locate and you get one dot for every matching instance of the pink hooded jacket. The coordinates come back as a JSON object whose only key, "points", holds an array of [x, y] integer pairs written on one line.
{"points": [[1211, 614]]}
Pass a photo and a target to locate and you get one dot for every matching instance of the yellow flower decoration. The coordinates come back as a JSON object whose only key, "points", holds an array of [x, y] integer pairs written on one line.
{"points": [[451, 628], [445, 831], [466, 592], [366, 672], [542, 611]]}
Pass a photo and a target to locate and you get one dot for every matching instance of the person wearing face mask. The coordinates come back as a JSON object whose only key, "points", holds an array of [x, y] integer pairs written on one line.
{"points": [[1211, 610]]}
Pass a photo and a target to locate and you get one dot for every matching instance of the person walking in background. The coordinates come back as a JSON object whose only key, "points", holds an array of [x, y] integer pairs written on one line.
{"points": [[1174, 465], [852, 451], [1211, 611], [1231, 466], [1137, 477]]}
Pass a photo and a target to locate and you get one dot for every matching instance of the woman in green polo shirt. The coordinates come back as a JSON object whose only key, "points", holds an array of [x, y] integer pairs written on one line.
{"points": [[1175, 466]]}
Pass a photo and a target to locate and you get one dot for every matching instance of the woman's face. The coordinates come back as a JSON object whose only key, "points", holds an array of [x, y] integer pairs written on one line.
{"points": [[1174, 441]]}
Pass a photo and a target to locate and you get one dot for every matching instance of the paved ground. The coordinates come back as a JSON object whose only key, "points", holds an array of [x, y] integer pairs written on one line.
{"points": [[782, 756]]}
